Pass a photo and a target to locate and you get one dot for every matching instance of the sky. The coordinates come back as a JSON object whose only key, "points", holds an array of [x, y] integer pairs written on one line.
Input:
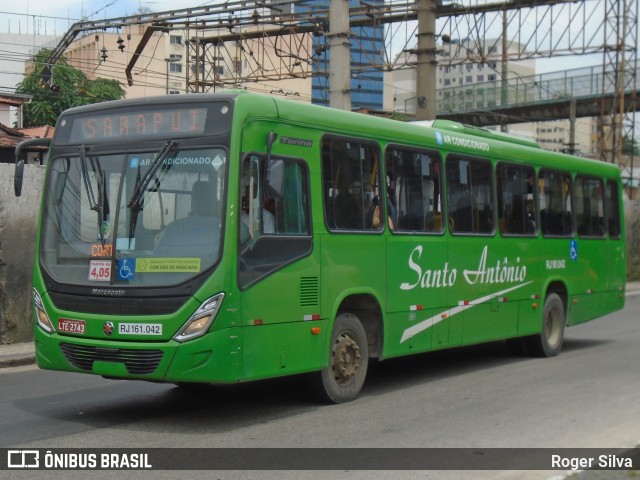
{"points": [[54, 17]]}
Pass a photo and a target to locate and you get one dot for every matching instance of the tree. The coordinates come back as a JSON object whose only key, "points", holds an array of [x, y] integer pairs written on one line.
{"points": [[69, 87]]}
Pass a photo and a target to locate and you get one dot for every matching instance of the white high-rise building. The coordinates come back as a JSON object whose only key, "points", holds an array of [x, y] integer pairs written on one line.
{"points": [[470, 77]]}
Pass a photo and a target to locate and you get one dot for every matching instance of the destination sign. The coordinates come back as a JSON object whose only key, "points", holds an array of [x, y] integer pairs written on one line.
{"points": [[165, 122]]}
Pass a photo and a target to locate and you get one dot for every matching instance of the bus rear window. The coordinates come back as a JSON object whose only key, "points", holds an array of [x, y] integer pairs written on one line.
{"points": [[612, 209], [589, 206]]}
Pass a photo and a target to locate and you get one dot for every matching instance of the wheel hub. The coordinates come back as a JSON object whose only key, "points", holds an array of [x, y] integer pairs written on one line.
{"points": [[346, 358]]}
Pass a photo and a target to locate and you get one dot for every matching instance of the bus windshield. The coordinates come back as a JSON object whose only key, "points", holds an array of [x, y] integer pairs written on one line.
{"points": [[150, 218]]}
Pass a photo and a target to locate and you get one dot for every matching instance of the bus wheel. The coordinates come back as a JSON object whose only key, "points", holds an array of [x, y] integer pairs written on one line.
{"points": [[549, 342], [342, 380]]}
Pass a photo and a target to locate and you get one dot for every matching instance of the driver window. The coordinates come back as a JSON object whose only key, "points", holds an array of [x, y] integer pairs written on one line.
{"points": [[257, 208], [274, 222]]}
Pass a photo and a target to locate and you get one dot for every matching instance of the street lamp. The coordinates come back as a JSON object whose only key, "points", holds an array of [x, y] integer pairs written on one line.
{"points": [[168, 61]]}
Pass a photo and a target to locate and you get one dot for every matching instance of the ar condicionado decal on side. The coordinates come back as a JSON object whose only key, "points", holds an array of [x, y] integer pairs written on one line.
{"points": [[504, 271]]}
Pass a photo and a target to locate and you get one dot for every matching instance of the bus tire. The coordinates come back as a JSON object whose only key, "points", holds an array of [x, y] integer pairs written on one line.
{"points": [[343, 378], [549, 342]]}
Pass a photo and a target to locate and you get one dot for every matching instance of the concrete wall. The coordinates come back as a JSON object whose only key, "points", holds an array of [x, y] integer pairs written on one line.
{"points": [[18, 218]]}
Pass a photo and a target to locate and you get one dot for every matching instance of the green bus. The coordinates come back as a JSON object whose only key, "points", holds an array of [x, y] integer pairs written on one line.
{"points": [[222, 238]]}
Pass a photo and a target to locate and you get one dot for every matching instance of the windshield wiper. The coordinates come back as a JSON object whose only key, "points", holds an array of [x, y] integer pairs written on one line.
{"points": [[96, 206], [142, 183], [87, 183], [103, 200]]}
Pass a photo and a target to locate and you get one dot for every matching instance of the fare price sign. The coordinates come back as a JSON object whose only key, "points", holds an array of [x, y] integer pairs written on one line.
{"points": [[100, 270]]}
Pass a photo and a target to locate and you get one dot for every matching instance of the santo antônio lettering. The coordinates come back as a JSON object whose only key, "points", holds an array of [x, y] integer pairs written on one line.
{"points": [[503, 271]]}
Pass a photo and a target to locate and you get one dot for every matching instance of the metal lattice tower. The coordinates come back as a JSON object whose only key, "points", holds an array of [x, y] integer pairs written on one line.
{"points": [[620, 62], [257, 41]]}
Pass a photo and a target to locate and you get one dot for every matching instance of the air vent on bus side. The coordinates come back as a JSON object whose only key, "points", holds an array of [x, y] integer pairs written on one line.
{"points": [[309, 291]]}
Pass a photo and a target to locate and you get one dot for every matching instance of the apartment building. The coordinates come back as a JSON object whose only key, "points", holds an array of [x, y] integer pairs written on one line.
{"points": [[469, 77]]}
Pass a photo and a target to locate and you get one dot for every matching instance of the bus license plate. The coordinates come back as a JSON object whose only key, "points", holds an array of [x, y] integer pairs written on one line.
{"points": [[140, 329], [71, 326]]}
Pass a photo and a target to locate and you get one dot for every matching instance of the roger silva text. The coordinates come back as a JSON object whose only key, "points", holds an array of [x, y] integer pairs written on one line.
{"points": [[609, 461]]}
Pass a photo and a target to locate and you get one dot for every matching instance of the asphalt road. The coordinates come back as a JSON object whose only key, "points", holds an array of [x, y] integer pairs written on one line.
{"points": [[479, 397]]}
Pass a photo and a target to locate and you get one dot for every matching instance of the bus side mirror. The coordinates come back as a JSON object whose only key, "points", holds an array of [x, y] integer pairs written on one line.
{"points": [[274, 176], [271, 138], [19, 172], [17, 178], [274, 181]]}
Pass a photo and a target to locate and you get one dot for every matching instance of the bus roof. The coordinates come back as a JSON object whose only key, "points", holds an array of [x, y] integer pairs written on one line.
{"points": [[439, 134], [442, 135]]}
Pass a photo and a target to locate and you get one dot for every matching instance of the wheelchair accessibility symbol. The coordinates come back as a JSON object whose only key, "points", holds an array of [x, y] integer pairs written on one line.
{"points": [[127, 269], [573, 250]]}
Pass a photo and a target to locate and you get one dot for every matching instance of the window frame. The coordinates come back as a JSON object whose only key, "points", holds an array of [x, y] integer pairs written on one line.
{"points": [[618, 210], [581, 177], [450, 157], [326, 140], [440, 162], [247, 281], [568, 174], [536, 212]]}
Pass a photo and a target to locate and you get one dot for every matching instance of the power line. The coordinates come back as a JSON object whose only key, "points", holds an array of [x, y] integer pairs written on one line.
{"points": [[30, 15]]}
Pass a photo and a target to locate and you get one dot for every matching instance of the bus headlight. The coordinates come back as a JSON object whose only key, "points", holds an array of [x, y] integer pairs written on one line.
{"points": [[201, 320], [41, 315]]}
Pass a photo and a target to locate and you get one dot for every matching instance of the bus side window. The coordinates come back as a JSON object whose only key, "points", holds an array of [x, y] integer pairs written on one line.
{"points": [[414, 190], [274, 226], [469, 195], [556, 218], [255, 219], [612, 209], [516, 204], [350, 172], [589, 206]]}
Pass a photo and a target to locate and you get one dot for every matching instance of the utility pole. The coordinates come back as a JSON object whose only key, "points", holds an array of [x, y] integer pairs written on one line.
{"points": [[426, 61], [504, 97], [339, 55], [572, 127]]}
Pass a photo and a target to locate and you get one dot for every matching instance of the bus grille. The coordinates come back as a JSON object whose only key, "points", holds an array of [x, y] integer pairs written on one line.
{"points": [[138, 362], [119, 306]]}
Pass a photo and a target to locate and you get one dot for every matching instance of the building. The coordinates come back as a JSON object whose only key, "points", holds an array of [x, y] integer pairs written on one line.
{"points": [[11, 107], [555, 135], [367, 43], [11, 137], [18, 48], [169, 64], [470, 77]]}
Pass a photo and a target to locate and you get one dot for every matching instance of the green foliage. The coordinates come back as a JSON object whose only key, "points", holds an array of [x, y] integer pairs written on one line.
{"points": [[69, 87]]}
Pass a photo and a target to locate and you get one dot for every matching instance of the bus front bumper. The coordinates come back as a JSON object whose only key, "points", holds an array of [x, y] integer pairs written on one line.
{"points": [[212, 358]]}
